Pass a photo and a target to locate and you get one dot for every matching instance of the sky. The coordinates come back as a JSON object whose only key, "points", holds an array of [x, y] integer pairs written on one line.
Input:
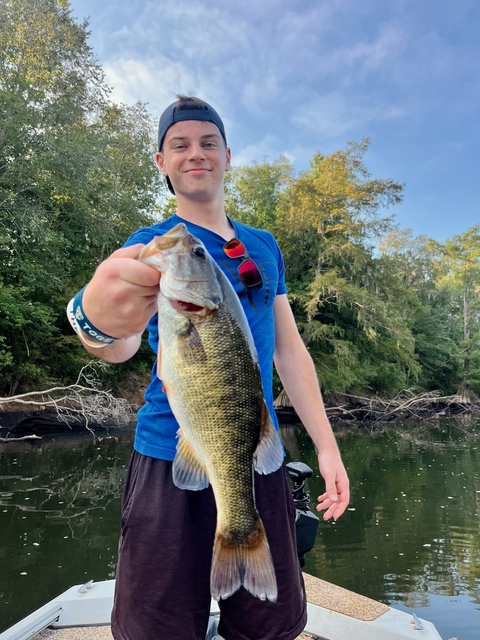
{"points": [[303, 76]]}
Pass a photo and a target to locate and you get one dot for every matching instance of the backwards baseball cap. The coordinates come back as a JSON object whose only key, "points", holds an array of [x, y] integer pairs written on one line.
{"points": [[187, 108]]}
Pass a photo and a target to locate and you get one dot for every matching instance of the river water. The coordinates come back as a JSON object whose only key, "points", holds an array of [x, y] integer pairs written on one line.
{"points": [[411, 536]]}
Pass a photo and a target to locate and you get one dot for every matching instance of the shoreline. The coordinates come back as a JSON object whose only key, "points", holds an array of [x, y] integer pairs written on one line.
{"points": [[41, 424]]}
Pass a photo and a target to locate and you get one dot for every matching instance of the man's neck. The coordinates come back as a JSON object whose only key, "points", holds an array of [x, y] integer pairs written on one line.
{"points": [[209, 215]]}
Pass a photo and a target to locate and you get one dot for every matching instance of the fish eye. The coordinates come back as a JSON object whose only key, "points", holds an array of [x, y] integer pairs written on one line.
{"points": [[199, 252]]}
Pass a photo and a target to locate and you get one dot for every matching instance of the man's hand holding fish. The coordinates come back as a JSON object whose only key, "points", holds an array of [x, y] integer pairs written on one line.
{"points": [[119, 300]]}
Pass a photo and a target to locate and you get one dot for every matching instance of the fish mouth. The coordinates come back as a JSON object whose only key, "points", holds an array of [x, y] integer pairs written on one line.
{"points": [[189, 308], [181, 305]]}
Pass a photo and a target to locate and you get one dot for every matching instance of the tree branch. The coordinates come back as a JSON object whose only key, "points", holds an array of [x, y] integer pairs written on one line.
{"points": [[85, 399]]}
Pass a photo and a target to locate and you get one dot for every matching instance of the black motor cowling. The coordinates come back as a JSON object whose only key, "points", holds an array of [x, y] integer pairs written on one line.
{"points": [[306, 521]]}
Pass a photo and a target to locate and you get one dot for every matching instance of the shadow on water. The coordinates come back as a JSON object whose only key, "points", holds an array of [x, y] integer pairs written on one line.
{"points": [[410, 537]]}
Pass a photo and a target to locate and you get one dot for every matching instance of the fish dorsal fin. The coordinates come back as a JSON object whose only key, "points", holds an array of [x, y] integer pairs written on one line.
{"points": [[188, 472], [268, 456]]}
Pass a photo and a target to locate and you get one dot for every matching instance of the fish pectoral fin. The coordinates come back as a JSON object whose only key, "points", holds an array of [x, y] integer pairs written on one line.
{"points": [[188, 472], [268, 456], [191, 345]]}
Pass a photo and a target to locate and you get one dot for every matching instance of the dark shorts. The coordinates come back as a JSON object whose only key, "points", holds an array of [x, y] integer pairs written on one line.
{"points": [[163, 575]]}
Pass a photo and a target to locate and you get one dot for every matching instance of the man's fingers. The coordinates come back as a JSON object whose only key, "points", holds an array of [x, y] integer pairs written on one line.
{"points": [[334, 506], [121, 267], [126, 252]]}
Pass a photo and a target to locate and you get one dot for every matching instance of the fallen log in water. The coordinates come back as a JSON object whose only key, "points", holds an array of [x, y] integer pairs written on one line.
{"points": [[76, 407], [407, 404]]}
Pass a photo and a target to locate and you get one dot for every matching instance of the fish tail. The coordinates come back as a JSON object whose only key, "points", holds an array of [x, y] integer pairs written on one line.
{"points": [[248, 563]]}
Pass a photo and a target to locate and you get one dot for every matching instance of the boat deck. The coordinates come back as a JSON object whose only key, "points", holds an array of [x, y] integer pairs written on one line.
{"points": [[77, 633], [319, 592], [95, 633]]}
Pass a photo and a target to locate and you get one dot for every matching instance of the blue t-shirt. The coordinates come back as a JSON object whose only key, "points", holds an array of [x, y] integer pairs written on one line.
{"points": [[157, 427]]}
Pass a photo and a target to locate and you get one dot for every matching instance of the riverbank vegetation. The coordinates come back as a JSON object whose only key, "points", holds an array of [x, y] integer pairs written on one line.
{"points": [[379, 309]]}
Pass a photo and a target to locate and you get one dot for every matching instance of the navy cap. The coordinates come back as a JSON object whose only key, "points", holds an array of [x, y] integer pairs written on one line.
{"points": [[173, 114]]}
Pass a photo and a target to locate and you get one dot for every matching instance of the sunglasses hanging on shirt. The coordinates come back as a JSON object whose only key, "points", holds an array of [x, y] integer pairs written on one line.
{"points": [[247, 270]]}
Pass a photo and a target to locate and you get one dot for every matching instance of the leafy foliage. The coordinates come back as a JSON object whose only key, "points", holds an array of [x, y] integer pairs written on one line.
{"points": [[76, 177], [457, 263]]}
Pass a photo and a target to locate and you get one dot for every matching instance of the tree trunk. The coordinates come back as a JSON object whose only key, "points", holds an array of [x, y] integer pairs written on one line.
{"points": [[464, 391]]}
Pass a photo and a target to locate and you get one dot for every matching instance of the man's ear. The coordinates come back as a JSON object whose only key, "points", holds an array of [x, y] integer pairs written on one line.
{"points": [[159, 159]]}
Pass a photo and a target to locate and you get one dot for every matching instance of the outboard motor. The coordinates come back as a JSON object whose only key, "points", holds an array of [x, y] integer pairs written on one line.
{"points": [[306, 521]]}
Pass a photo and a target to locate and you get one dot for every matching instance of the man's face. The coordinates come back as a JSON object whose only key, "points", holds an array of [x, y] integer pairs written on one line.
{"points": [[195, 158]]}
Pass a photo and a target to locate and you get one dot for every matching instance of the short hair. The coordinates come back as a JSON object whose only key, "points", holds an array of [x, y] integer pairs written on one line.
{"points": [[190, 102]]}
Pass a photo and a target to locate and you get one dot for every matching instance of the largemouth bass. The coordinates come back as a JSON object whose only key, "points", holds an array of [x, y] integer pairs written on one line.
{"points": [[208, 365]]}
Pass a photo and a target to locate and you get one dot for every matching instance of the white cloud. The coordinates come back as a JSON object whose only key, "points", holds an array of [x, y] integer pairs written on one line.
{"points": [[256, 94], [329, 115], [217, 46], [370, 55], [332, 115], [267, 149], [155, 81]]}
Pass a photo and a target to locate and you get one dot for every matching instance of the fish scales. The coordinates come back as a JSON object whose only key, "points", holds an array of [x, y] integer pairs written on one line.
{"points": [[229, 451], [209, 368]]}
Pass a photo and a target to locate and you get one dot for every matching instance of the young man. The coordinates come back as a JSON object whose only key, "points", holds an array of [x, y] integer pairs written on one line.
{"points": [[162, 584]]}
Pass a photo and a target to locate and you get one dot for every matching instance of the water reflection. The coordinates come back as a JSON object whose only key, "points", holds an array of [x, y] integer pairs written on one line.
{"points": [[412, 531], [59, 514], [410, 537]]}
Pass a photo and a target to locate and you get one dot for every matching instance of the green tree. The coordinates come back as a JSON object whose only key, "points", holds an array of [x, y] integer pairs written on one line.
{"points": [[76, 177], [252, 193], [347, 306], [458, 265], [433, 318]]}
